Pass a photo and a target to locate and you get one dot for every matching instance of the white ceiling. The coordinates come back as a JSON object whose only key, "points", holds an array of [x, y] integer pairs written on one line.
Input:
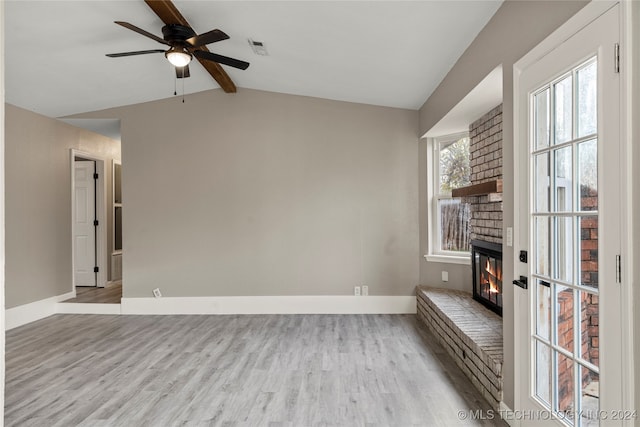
{"points": [[391, 53]]}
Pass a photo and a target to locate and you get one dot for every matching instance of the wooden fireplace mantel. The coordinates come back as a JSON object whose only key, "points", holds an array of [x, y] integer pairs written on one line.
{"points": [[481, 189]]}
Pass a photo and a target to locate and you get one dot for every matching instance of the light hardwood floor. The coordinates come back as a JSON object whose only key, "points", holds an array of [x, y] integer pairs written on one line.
{"points": [[246, 370], [111, 294]]}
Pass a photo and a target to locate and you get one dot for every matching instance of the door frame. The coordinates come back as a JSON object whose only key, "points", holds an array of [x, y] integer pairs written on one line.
{"points": [[581, 19], [101, 214]]}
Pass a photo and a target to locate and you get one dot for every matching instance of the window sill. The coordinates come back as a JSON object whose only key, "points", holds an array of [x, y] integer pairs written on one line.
{"points": [[450, 259]]}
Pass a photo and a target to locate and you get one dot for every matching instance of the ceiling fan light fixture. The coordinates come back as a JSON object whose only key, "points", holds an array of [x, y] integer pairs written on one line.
{"points": [[178, 57]]}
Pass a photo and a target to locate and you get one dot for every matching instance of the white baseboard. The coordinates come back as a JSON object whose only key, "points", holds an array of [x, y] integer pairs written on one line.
{"points": [[321, 304], [316, 304], [87, 308], [507, 415], [27, 313]]}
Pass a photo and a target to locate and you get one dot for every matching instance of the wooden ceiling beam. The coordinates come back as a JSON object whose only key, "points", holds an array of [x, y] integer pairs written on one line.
{"points": [[169, 14]]}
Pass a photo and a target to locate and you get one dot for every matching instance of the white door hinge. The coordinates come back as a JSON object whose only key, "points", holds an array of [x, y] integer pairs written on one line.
{"points": [[618, 269], [616, 57]]}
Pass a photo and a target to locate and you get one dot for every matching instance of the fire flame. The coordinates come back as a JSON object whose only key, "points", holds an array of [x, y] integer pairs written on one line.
{"points": [[493, 286]]}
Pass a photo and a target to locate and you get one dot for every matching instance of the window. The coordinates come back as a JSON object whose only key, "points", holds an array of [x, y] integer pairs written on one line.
{"points": [[449, 217]]}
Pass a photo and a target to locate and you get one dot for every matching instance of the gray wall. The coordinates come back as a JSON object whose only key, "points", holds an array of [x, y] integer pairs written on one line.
{"points": [[635, 6], [2, 216], [38, 202], [259, 193], [513, 31]]}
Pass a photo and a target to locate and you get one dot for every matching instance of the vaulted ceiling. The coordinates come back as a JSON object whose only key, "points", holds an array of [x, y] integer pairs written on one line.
{"points": [[391, 53]]}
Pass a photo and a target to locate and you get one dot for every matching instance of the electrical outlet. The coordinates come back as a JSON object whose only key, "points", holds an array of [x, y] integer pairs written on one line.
{"points": [[356, 291], [365, 290], [445, 276], [156, 293], [509, 236]]}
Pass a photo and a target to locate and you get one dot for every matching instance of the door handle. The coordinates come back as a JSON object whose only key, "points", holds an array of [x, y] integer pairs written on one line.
{"points": [[522, 282]]}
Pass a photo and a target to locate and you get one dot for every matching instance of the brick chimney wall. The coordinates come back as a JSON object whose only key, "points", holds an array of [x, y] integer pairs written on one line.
{"points": [[486, 165]]}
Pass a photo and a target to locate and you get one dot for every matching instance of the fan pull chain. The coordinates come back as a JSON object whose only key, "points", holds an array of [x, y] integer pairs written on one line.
{"points": [[175, 85]]}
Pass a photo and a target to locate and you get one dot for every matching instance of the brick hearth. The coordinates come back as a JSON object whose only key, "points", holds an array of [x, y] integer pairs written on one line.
{"points": [[470, 333]]}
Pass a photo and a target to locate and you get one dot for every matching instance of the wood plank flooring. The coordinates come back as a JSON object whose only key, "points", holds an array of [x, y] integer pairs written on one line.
{"points": [[111, 294], [241, 370]]}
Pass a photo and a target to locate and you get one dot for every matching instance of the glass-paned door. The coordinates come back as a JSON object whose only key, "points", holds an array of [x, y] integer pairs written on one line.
{"points": [[570, 323], [564, 277]]}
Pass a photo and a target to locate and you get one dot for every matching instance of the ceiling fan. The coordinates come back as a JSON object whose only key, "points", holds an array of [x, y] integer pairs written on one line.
{"points": [[184, 44]]}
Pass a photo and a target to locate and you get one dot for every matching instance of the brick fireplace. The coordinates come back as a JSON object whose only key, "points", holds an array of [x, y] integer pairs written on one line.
{"points": [[484, 196], [485, 149], [472, 335]]}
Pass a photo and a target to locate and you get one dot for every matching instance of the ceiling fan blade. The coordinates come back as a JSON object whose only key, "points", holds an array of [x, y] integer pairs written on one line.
{"points": [[182, 72], [143, 32], [169, 14], [208, 37], [137, 52], [231, 62]]}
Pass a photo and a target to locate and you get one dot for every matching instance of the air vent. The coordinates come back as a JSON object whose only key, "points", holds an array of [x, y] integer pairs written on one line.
{"points": [[258, 47]]}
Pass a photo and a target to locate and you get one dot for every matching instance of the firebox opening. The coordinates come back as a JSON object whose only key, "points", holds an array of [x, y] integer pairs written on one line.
{"points": [[486, 259]]}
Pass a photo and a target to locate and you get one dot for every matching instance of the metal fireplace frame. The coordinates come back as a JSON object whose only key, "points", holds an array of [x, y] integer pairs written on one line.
{"points": [[492, 250]]}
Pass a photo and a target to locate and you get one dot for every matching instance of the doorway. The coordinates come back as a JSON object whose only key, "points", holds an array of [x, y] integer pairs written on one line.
{"points": [[85, 223], [569, 357], [88, 221]]}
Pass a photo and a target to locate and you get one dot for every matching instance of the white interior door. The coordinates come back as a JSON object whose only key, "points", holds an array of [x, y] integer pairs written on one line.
{"points": [[84, 233], [568, 321]]}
